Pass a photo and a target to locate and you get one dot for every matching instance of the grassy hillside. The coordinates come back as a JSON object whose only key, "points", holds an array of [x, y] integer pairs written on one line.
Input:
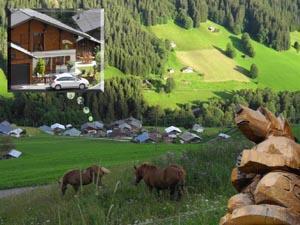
{"points": [[203, 50]]}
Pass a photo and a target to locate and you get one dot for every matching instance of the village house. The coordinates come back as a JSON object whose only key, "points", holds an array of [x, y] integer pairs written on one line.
{"points": [[35, 35], [172, 131], [46, 129], [224, 136], [188, 137]]}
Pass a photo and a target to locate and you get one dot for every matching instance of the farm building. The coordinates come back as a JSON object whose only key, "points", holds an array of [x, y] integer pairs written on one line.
{"points": [[211, 28], [134, 123], [188, 137], [35, 35], [198, 128], [187, 70], [73, 132]]}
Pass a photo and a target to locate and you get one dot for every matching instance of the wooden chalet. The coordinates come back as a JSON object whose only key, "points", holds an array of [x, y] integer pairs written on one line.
{"points": [[35, 35]]}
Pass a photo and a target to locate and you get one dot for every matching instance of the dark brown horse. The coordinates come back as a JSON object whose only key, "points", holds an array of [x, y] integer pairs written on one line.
{"points": [[76, 178], [171, 178]]}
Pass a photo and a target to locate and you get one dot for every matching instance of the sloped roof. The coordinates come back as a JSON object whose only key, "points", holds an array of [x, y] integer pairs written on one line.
{"points": [[94, 125], [5, 129], [89, 19], [58, 126], [142, 137], [20, 49], [125, 126], [5, 123], [225, 136], [23, 15], [171, 129], [134, 122], [72, 132], [14, 153], [187, 137]]}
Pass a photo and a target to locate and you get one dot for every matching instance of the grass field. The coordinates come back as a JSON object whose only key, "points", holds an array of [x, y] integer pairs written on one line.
{"points": [[274, 67], [214, 65], [119, 202], [46, 158]]}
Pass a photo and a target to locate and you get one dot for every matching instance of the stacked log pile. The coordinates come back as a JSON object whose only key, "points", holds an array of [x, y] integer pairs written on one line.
{"points": [[267, 176]]}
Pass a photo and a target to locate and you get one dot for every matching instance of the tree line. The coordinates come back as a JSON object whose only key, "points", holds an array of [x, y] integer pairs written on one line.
{"points": [[123, 97]]}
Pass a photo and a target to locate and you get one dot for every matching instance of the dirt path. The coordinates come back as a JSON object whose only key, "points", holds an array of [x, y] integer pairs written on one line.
{"points": [[17, 191]]}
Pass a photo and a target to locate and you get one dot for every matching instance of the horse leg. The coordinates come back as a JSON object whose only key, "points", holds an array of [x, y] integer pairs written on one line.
{"points": [[63, 189], [172, 192], [76, 188]]}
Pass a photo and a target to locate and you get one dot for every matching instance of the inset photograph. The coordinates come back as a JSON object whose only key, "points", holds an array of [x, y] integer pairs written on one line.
{"points": [[55, 50]]}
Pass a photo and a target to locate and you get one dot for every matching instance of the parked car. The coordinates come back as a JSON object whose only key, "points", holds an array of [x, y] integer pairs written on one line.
{"points": [[67, 80]]}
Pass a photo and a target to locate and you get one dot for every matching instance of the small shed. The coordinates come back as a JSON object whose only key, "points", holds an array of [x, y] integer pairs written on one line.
{"points": [[224, 136], [189, 137], [187, 70], [14, 153], [69, 126], [198, 128], [142, 138], [172, 130]]}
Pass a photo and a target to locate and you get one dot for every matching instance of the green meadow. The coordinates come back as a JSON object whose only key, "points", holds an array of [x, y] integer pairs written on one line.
{"points": [[215, 75], [45, 158]]}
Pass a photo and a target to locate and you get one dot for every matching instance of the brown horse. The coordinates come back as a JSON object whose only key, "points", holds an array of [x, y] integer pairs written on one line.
{"points": [[76, 178], [172, 178]]}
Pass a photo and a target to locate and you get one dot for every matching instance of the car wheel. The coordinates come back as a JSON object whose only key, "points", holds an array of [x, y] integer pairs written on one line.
{"points": [[82, 86], [57, 87]]}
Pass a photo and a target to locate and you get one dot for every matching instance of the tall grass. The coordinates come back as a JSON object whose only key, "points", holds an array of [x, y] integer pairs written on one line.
{"points": [[120, 202]]}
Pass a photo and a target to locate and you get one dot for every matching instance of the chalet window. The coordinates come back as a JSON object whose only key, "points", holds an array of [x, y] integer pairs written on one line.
{"points": [[38, 41], [59, 60]]}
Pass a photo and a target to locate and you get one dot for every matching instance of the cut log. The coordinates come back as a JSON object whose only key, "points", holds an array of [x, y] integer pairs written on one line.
{"points": [[238, 201], [279, 188], [241, 180], [258, 125], [261, 215], [276, 153]]}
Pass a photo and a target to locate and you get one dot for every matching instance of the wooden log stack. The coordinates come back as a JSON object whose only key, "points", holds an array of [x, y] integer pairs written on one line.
{"points": [[267, 176]]}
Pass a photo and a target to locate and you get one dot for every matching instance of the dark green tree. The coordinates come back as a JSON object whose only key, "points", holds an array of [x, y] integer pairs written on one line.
{"points": [[230, 51], [253, 71]]}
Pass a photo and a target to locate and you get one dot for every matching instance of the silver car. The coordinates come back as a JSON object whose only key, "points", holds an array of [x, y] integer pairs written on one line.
{"points": [[68, 81]]}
